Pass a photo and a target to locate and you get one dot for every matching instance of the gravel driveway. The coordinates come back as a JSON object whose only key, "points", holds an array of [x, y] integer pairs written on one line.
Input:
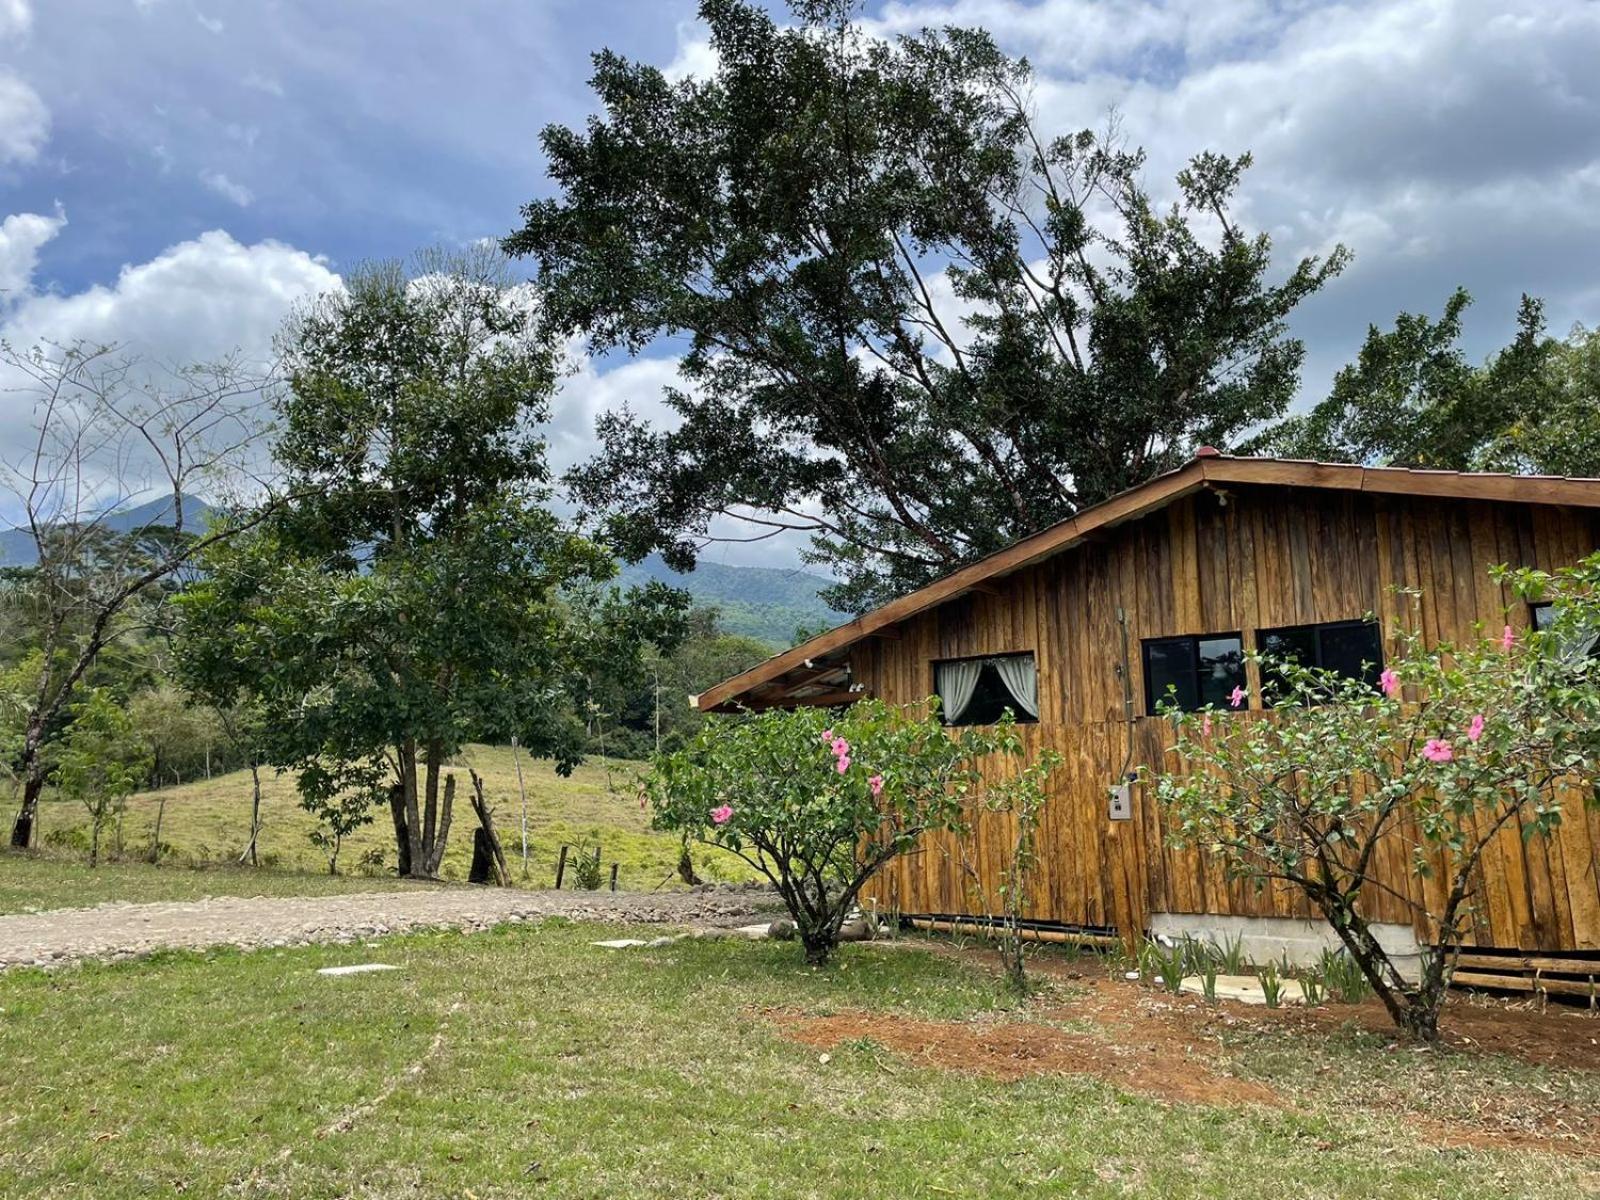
{"points": [[121, 931]]}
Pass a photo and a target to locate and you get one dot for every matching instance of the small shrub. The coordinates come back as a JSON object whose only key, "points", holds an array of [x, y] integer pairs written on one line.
{"points": [[1312, 986], [373, 862], [1271, 984], [584, 869], [1341, 977], [819, 803], [1165, 965], [1230, 956], [75, 839]]}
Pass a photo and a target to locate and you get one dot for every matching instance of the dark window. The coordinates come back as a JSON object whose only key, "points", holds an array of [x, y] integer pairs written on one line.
{"points": [[999, 679], [1544, 614], [1349, 649], [1193, 671]]}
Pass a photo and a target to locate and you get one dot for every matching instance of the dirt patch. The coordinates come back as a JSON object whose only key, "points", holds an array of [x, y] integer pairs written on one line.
{"points": [[1177, 1049], [1011, 1050], [1560, 1036]]}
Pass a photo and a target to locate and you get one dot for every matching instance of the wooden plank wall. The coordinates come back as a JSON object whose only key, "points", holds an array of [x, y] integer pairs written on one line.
{"points": [[1240, 561]]}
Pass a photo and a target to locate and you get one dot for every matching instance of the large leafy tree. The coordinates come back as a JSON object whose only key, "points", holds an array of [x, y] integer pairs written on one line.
{"points": [[1412, 398], [418, 592], [913, 324]]}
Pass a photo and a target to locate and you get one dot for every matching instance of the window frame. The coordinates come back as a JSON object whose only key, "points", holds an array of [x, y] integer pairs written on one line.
{"points": [[1021, 717], [1194, 640], [1316, 628]]}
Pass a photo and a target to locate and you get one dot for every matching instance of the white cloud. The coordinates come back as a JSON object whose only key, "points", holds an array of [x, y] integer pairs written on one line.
{"points": [[258, 82], [590, 389], [16, 18], [227, 188], [196, 301], [1446, 141], [694, 57], [21, 236], [24, 121]]}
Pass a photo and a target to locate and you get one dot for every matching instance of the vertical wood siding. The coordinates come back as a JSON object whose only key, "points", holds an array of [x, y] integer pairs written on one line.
{"points": [[1249, 559]]}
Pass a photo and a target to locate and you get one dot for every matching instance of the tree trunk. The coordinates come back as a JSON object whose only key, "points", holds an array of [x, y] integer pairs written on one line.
{"points": [[430, 800], [32, 772], [686, 871], [819, 946], [155, 839], [1414, 1010], [490, 839], [416, 856], [482, 869], [402, 836], [255, 815], [94, 840], [433, 848]]}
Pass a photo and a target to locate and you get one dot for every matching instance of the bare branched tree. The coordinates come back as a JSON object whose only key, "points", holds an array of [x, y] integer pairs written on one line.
{"points": [[118, 450]]}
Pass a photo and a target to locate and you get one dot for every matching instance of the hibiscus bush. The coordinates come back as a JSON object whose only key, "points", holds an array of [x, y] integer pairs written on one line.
{"points": [[1457, 746], [819, 801]]}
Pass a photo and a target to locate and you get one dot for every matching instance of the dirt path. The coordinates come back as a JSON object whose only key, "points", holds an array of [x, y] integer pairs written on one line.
{"points": [[120, 931]]}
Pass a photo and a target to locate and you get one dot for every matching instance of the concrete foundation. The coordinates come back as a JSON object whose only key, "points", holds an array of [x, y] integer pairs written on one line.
{"points": [[1276, 939]]}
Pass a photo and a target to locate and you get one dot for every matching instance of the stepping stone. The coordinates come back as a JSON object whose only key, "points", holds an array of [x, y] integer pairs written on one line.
{"points": [[619, 943], [1246, 989], [356, 969]]}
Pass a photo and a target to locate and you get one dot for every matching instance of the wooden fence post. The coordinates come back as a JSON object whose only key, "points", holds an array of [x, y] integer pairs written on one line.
{"points": [[614, 876], [561, 867]]}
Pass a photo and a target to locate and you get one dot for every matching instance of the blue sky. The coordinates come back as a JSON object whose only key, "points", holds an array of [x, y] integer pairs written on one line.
{"points": [[175, 173]]}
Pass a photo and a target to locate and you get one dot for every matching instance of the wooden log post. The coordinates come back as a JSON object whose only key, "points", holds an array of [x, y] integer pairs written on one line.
{"points": [[490, 839], [561, 867], [614, 867]]}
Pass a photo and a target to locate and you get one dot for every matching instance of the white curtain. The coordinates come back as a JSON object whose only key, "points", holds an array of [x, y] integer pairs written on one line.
{"points": [[956, 681], [1021, 677]]}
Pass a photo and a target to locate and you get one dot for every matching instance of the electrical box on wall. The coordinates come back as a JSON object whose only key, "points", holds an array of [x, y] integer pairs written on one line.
{"points": [[1122, 801]]}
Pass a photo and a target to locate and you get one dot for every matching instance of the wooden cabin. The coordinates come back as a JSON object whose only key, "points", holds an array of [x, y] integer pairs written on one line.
{"points": [[1079, 628]]}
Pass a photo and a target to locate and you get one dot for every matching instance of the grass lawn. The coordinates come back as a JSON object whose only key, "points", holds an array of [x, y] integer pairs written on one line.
{"points": [[208, 822], [523, 1062], [39, 882]]}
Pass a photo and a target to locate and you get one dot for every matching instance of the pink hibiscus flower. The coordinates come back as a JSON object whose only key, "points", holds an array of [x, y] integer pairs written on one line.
{"points": [[1475, 729], [1236, 697], [876, 784], [1438, 750], [840, 747], [1508, 638], [722, 815], [827, 735], [1389, 681], [843, 764], [1205, 725]]}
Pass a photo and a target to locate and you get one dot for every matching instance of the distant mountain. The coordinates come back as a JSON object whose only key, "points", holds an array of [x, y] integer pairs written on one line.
{"points": [[17, 548], [769, 603]]}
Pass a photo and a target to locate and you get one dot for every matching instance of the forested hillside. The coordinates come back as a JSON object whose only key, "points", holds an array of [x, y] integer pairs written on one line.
{"points": [[767, 603]]}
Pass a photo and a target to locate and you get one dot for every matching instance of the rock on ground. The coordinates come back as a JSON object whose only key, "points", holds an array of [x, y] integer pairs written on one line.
{"points": [[120, 931]]}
